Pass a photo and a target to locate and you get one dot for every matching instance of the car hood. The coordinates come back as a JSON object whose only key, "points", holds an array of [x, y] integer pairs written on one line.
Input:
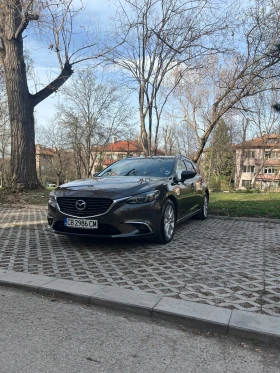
{"points": [[109, 187]]}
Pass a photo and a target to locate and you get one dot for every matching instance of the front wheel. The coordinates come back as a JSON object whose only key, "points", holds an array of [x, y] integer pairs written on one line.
{"points": [[168, 219], [202, 215]]}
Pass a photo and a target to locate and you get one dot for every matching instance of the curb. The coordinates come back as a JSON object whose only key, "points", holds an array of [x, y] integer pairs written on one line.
{"points": [[244, 218], [238, 323]]}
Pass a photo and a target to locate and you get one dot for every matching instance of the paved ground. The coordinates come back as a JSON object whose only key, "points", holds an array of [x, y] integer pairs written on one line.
{"points": [[227, 263], [41, 335]]}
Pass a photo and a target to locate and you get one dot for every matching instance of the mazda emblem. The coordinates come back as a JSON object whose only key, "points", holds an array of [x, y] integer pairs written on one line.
{"points": [[80, 205]]}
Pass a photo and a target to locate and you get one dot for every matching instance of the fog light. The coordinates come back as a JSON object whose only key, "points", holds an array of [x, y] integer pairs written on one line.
{"points": [[50, 220], [142, 228]]}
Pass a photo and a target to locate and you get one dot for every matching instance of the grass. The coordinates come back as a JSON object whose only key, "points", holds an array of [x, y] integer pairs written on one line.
{"points": [[265, 205], [35, 197]]}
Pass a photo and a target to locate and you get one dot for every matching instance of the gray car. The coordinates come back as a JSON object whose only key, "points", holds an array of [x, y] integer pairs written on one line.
{"points": [[134, 197]]}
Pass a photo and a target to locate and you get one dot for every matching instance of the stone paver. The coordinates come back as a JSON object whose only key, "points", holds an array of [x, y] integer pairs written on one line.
{"points": [[226, 263]]}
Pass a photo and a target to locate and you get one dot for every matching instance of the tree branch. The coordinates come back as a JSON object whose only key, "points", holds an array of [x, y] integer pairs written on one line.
{"points": [[26, 18], [54, 85]]}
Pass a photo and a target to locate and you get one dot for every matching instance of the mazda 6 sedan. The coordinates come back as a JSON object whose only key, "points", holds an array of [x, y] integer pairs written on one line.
{"points": [[134, 197]]}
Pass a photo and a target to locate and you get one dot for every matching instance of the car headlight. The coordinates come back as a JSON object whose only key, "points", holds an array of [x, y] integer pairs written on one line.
{"points": [[52, 197], [144, 198]]}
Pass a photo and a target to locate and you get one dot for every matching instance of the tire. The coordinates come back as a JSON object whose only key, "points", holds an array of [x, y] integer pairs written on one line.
{"points": [[202, 215], [168, 220]]}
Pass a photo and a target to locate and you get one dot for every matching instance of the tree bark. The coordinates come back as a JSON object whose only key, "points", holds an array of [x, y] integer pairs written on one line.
{"points": [[21, 112], [143, 131], [21, 103]]}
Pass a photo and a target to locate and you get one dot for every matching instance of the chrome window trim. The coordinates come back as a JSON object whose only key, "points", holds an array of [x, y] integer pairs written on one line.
{"points": [[115, 201]]}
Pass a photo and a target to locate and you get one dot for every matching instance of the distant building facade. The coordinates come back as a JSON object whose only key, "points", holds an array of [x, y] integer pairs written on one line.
{"points": [[258, 163], [116, 150], [54, 166], [43, 160]]}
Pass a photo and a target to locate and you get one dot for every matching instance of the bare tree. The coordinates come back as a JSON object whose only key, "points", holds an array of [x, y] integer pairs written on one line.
{"points": [[244, 129], [162, 35], [245, 72], [5, 133], [54, 19], [54, 150], [5, 140], [94, 111]]}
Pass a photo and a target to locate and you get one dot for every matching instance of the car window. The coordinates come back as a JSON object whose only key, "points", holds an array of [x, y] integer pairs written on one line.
{"points": [[189, 166], [195, 167], [155, 167], [180, 168]]}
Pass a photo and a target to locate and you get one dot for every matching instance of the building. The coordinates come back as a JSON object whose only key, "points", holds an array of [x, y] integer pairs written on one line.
{"points": [[43, 160], [54, 166], [258, 163], [107, 154]]}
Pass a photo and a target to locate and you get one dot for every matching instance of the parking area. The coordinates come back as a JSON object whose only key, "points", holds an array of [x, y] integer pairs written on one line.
{"points": [[226, 263]]}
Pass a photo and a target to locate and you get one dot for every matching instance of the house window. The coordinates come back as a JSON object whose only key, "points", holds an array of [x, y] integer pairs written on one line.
{"points": [[246, 183], [267, 155], [274, 154], [270, 170], [250, 154], [250, 169]]}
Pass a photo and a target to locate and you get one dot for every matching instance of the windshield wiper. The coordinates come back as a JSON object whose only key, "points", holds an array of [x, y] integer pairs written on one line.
{"points": [[129, 172]]}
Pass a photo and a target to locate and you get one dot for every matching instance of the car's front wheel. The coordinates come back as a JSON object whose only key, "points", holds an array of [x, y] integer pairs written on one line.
{"points": [[202, 215], [168, 220]]}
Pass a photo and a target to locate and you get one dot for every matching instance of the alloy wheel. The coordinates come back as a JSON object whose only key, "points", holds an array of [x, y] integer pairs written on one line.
{"points": [[169, 221], [205, 206]]}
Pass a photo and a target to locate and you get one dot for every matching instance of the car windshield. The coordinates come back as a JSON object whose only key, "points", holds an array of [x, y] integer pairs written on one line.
{"points": [[152, 167]]}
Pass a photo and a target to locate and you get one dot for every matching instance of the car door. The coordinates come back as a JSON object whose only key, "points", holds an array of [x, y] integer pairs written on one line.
{"points": [[184, 191], [196, 185]]}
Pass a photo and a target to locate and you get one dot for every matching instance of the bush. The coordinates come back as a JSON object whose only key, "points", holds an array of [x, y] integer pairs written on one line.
{"points": [[220, 183]]}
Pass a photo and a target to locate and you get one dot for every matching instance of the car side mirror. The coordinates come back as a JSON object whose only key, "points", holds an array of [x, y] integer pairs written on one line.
{"points": [[187, 175], [96, 174]]}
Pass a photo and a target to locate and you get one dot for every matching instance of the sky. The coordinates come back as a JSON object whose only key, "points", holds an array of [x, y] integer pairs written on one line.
{"points": [[45, 64]]}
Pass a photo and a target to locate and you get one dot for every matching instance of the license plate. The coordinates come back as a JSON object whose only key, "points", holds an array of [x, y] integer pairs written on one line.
{"points": [[80, 223]]}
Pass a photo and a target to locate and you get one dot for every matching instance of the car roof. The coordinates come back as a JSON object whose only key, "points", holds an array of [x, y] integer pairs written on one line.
{"points": [[157, 157], [162, 157]]}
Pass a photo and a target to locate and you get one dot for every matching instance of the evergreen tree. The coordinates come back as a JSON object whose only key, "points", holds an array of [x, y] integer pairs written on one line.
{"points": [[219, 160]]}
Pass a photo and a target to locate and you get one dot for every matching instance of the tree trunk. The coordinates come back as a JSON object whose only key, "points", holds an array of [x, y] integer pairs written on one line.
{"points": [[21, 110], [143, 131], [144, 135], [150, 130], [13, 21]]}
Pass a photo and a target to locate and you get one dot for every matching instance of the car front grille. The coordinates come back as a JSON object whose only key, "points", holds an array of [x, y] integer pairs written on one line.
{"points": [[94, 206], [103, 230]]}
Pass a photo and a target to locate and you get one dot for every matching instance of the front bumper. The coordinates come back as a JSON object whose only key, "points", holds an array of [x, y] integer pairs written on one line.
{"points": [[122, 221]]}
